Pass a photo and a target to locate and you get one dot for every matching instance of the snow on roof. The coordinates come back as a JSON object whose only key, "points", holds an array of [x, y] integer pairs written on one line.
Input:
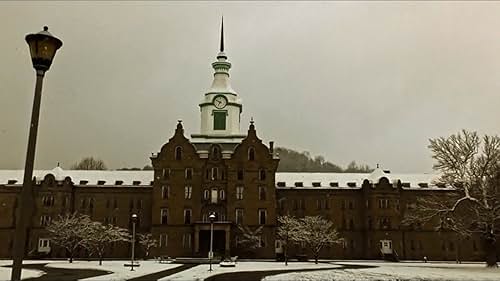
{"points": [[83, 177], [283, 180]]}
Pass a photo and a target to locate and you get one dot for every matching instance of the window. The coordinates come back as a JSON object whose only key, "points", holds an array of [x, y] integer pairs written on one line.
{"points": [[139, 204], [83, 203], [204, 217], [302, 204], [163, 241], [474, 246], [262, 216], [351, 224], [206, 194], [164, 216], [451, 246], [262, 174], [115, 203], [108, 203], [165, 191], [187, 216], [239, 192], [219, 120], [166, 174], [178, 153], [131, 204], [281, 184], [239, 216], [188, 173], [383, 203], [369, 223], [186, 241], [251, 154], [351, 205], [240, 174], [215, 172], [396, 203], [45, 220], [222, 194], [214, 195], [43, 245], [188, 190], [114, 221], [262, 193], [48, 201]]}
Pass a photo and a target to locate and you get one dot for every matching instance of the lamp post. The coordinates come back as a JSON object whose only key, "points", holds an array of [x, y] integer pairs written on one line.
{"points": [[43, 47], [211, 253], [134, 220]]}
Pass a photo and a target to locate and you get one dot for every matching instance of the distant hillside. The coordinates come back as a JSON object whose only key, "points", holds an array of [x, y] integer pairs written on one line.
{"points": [[294, 161]]}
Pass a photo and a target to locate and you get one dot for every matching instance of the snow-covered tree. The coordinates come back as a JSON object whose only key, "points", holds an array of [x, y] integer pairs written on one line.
{"points": [[287, 232], [472, 166], [147, 242], [98, 237], [316, 232], [68, 231], [249, 238], [89, 163]]}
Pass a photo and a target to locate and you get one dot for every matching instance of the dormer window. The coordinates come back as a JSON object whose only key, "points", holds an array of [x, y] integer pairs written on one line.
{"points": [[178, 153], [281, 184], [83, 182], [405, 184], [136, 182], [440, 185], [11, 181], [101, 182], [423, 184], [118, 182], [334, 184], [351, 184], [316, 184], [299, 184], [251, 154]]}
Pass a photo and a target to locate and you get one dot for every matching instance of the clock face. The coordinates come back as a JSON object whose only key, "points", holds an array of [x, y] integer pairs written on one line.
{"points": [[220, 102]]}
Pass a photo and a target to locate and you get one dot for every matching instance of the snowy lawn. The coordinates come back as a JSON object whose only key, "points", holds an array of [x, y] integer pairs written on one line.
{"points": [[25, 273], [397, 271], [119, 272], [201, 272]]}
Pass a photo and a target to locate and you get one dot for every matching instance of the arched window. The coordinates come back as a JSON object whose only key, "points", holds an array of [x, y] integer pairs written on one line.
{"points": [[215, 173], [178, 153], [251, 154], [262, 174], [222, 194], [215, 152]]}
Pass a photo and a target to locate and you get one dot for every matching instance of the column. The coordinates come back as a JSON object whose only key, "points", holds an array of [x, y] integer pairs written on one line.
{"points": [[196, 240], [228, 241]]}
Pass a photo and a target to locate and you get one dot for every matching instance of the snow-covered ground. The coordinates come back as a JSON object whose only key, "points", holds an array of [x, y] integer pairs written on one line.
{"points": [[201, 272], [5, 272], [119, 271], [397, 271], [334, 270]]}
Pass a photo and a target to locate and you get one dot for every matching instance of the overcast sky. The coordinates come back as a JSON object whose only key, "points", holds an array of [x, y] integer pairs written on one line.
{"points": [[370, 82]]}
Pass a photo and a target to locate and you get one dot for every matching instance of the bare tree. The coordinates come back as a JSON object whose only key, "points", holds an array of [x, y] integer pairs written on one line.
{"points": [[249, 239], [98, 237], [147, 242], [471, 166], [287, 232], [89, 163], [317, 232], [67, 231]]}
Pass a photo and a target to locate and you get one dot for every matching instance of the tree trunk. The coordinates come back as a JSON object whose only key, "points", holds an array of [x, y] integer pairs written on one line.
{"points": [[100, 260], [491, 253], [316, 257], [71, 258], [286, 255]]}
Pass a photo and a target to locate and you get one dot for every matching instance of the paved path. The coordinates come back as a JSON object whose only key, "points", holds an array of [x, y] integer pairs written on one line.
{"points": [[62, 274], [259, 275], [164, 273]]}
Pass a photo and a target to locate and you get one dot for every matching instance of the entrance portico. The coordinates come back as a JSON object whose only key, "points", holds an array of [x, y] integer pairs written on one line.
{"points": [[221, 237]]}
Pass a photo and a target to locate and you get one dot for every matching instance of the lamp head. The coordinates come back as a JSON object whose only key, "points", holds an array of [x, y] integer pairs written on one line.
{"points": [[43, 47]]}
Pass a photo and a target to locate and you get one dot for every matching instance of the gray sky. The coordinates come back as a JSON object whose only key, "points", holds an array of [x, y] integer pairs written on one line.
{"points": [[370, 82]]}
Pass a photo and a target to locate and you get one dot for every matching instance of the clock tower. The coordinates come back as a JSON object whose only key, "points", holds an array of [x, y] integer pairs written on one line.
{"points": [[220, 107]]}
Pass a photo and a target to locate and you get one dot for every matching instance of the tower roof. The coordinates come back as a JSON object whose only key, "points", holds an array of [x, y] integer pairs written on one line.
{"points": [[221, 83]]}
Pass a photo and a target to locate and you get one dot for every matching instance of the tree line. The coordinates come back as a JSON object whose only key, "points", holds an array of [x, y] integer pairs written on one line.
{"points": [[290, 161]]}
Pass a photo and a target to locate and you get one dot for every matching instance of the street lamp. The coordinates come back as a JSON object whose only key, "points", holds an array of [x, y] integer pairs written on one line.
{"points": [[211, 253], [134, 220], [43, 47]]}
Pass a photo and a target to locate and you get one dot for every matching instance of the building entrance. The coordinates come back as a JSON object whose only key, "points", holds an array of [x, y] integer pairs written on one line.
{"points": [[219, 242]]}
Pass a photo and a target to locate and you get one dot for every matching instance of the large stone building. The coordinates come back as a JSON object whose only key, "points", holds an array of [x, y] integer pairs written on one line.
{"points": [[234, 175]]}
